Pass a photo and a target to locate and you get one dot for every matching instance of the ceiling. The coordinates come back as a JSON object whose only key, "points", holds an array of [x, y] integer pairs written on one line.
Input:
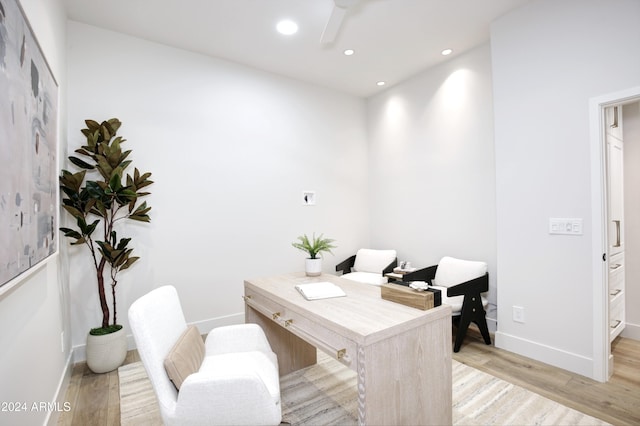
{"points": [[392, 39]]}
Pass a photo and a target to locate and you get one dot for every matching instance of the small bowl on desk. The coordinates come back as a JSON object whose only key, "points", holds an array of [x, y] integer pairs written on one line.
{"points": [[419, 285]]}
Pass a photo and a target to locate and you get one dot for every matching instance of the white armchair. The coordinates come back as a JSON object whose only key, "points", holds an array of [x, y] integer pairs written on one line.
{"points": [[369, 266], [235, 377], [462, 285]]}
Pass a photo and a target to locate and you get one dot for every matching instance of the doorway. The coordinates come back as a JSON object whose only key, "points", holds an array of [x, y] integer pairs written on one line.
{"points": [[601, 251]]}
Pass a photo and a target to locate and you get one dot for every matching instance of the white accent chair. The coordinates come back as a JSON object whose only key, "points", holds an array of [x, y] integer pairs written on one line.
{"points": [[461, 284], [237, 382], [369, 266]]}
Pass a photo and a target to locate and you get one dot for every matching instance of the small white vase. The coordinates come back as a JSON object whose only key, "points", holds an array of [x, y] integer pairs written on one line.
{"points": [[313, 267], [107, 352]]}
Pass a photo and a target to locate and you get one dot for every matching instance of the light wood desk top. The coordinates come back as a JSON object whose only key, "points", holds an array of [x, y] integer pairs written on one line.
{"points": [[402, 355], [362, 315]]}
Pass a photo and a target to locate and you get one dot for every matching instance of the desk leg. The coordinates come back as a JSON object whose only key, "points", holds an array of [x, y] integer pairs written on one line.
{"points": [[406, 379], [293, 353]]}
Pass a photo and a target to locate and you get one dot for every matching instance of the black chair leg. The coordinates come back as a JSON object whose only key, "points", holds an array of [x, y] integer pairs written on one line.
{"points": [[463, 325], [484, 330], [472, 311]]}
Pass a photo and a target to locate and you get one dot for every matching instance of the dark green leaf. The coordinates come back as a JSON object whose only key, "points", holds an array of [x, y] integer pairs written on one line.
{"points": [[92, 227], [138, 218], [83, 152], [73, 211], [71, 233], [78, 162], [130, 261], [115, 124], [124, 164], [123, 243], [104, 167], [72, 181], [114, 182], [92, 125], [104, 130]]}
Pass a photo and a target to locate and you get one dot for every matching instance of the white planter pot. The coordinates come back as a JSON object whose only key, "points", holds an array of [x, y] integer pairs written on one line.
{"points": [[107, 352], [313, 267]]}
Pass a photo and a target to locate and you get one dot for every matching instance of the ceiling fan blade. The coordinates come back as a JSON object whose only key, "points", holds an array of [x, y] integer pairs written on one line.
{"points": [[333, 25]]}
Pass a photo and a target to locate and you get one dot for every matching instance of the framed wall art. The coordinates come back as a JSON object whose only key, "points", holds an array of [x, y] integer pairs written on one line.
{"points": [[28, 147]]}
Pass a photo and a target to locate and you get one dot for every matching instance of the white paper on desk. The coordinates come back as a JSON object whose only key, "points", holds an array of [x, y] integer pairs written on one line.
{"points": [[320, 290]]}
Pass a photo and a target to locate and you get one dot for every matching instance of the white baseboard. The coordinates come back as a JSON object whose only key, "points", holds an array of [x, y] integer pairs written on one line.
{"points": [[631, 331], [492, 325], [549, 355], [205, 326], [79, 353], [61, 392]]}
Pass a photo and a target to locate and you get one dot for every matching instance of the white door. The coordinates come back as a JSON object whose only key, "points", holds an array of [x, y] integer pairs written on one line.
{"points": [[615, 223], [601, 226]]}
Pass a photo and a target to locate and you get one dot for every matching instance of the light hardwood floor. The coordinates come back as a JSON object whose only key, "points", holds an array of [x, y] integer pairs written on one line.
{"points": [[616, 402], [95, 398]]}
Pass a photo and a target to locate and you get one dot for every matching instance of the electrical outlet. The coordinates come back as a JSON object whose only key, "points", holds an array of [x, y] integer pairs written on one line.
{"points": [[309, 198], [518, 314], [62, 341]]}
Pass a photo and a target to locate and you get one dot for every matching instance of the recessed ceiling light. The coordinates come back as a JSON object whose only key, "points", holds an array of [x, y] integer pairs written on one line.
{"points": [[446, 52], [287, 27], [349, 52], [381, 83]]}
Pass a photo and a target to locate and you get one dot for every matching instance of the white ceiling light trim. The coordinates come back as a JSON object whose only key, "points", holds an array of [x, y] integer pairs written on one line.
{"points": [[446, 52], [287, 27]]}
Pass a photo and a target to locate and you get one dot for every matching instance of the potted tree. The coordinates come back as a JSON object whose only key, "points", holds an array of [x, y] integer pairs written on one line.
{"points": [[98, 197], [314, 247]]}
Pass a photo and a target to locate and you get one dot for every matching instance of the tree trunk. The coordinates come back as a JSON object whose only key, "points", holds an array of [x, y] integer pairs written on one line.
{"points": [[102, 295], [113, 292]]}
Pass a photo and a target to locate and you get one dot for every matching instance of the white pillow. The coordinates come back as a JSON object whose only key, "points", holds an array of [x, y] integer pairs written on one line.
{"points": [[369, 260], [185, 357], [453, 271], [366, 278]]}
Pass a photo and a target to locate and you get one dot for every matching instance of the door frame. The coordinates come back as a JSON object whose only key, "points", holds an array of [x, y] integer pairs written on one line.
{"points": [[600, 295]]}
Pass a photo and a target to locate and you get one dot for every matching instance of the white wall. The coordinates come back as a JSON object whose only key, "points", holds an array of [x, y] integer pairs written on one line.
{"points": [[231, 149], [548, 61], [34, 313], [432, 178], [631, 128]]}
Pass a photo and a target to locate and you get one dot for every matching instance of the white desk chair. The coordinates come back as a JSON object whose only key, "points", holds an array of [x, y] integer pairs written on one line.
{"points": [[229, 379]]}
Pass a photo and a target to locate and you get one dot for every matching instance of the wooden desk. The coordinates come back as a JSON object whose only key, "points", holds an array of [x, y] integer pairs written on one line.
{"points": [[402, 355]]}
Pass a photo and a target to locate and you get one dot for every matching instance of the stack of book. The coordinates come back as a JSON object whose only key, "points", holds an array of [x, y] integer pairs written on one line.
{"points": [[398, 273]]}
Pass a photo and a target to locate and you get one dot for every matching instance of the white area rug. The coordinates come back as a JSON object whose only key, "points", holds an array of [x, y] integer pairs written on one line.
{"points": [[325, 394]]}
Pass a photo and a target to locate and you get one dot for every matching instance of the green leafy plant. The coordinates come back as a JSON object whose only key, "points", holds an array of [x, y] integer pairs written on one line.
{"points": [[98, 205], [314, 246]]}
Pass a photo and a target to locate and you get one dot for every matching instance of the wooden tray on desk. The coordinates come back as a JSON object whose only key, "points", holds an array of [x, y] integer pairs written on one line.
{"points": [[407, 296]]}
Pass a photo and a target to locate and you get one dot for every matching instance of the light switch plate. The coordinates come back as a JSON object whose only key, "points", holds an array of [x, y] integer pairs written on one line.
{"points": [[565, 226]]}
